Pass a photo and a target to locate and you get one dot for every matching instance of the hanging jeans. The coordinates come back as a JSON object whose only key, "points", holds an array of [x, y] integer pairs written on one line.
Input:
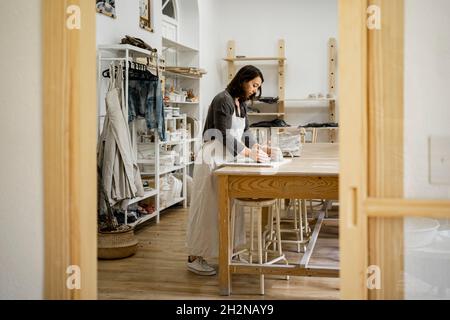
{"points": [[145, 100]]}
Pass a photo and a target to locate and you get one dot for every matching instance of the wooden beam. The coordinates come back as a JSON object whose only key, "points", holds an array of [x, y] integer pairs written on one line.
{"points": [[353, 147], [255, 59], [281, 76], [312, 242], [289, 270], [395, 208], [284, 187], [224, 232], [386, 143], [231, 55], [332, 63], [70, 175]]}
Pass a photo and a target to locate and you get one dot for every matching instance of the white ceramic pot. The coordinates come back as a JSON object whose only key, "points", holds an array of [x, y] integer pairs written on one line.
{"points": [[420, 232]]}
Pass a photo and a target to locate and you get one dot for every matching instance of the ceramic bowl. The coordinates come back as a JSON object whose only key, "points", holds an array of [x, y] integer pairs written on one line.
{"points": [[420, 232]]}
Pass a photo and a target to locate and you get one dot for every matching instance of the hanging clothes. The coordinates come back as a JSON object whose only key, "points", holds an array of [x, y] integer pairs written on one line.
{"points": [[145, 100], [121, 177]]}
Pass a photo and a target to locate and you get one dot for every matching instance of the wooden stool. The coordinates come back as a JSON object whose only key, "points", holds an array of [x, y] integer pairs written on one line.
{"points": [[264, 240], [301, 224]]}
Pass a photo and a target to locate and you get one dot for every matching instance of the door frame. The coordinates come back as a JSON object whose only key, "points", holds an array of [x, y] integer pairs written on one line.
{"points": [[372, 201], [370, 198], [70, 134]]}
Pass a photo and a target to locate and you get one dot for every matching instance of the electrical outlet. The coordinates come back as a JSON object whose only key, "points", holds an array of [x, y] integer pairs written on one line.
{"points": [[439, 148]]}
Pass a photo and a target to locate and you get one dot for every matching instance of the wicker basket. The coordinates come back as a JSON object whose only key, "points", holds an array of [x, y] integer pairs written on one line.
{"points": [[116, 245]]}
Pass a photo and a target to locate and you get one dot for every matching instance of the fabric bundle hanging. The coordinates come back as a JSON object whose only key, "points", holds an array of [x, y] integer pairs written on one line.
{"points": [[145, 99], [121, 177]]}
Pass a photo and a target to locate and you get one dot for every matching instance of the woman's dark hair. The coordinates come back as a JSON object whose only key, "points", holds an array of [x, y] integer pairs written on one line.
{"points": [[246, 74]]}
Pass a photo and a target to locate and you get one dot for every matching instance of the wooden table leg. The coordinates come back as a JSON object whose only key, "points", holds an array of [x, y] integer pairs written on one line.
{"points": [[224, 237]]}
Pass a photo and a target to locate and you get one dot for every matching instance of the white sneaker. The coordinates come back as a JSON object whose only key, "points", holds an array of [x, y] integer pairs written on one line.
{"points": [[201, 267]]}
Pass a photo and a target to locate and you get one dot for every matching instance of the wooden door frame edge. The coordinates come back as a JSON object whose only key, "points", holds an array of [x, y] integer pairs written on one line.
{"points": [[353, 92], [70, 175]]}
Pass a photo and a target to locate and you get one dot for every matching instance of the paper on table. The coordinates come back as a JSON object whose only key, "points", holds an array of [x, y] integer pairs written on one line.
{"points": [[246, 162]]}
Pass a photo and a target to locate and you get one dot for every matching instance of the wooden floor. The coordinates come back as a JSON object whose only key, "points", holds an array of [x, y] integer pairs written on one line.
{"points": [[158, 270]]}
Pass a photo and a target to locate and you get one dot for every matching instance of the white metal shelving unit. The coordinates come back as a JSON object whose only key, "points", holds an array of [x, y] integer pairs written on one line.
{"points": [[180, 55], [124, 53], [160, 172]]}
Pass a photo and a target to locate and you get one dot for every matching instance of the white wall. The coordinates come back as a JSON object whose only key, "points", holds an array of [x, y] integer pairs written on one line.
{"points": [[188, 23], [427, 113], [210, 53], [256, 26], [21, 186], [427, 75], [111, 31]]}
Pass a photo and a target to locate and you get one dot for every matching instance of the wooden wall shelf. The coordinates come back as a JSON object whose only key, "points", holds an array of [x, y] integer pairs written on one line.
{"points": [[232, 58]]}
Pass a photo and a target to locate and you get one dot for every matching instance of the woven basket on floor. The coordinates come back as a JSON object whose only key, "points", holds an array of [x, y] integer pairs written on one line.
{"points": [[116, 245]]}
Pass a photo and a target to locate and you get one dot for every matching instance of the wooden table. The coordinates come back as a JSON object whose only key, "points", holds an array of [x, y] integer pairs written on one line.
{"points": [[315, 175]]}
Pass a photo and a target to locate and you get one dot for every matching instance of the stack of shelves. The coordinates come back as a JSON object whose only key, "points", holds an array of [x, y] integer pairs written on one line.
{"points": [[232, 61], [160, 171], [180, 58], [125, 53], [283, 103]]}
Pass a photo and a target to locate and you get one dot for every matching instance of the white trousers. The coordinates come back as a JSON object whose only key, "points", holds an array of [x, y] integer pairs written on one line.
{"points": [[203, 222]]}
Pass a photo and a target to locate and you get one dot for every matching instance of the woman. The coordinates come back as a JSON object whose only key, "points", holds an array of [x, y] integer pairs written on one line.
{"points": [[226, 134]]}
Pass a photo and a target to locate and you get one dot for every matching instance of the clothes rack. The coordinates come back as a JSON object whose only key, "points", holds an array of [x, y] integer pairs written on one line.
{"points": [[125, 54]]}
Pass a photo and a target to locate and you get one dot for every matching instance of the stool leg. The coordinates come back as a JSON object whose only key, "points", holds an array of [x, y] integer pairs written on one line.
{"points": [[294, 204], [260, 252], [233, 227], [278, 227], [274, 245], [280, 249], [301, 221], [252, 231], [308, 229], [297, 225], [305, 212], [269, 227]]}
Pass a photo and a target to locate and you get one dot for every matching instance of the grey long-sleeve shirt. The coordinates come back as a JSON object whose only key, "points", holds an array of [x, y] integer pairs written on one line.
{"points": [[220, 115]]}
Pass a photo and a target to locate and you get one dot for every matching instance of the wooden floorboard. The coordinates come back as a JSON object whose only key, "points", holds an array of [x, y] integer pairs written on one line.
{"points": [[158, 270]]}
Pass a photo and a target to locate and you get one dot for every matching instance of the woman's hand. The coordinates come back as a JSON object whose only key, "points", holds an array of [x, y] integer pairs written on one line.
{"points": [[258, 154], [274, 153]]}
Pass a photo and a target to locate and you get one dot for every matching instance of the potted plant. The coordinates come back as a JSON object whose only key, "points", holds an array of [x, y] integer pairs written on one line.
{"points": [[114, 241]]}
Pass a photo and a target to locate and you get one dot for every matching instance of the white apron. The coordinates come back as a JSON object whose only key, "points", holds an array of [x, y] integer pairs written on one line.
{"points": [[203, 222]]}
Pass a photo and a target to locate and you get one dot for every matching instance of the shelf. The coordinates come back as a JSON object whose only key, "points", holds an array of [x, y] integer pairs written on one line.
{"points": [[143, 161], [171, 203], [175, 118], [321, 128], [143, 219], [172, 143], [311, 100], [162, 143], [162, 172], [266, 103], [255, 59], [126, 47], [265, 114], [188, 103], [165, 171], [147, 195], [108, 14], [296, 128], [167, 43], [181, 75]]}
